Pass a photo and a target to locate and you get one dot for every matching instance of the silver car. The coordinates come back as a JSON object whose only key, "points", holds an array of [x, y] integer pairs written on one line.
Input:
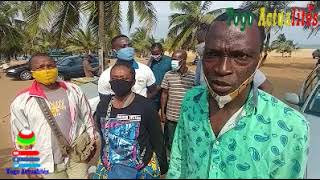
{"points": [[308, 103]]}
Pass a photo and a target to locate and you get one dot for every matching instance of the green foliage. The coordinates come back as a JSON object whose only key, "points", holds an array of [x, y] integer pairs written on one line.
{"points": [[55, 24], [142, 41], [184, 24], [10, 31], [282, 45], [82, 41]]}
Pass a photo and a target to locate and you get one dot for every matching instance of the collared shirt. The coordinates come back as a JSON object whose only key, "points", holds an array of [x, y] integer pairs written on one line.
{"points": [[177, 85], [269, 140], [159, 68]]}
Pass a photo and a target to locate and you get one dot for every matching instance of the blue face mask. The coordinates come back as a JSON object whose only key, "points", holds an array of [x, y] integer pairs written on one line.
{"points": [[126, 54]]}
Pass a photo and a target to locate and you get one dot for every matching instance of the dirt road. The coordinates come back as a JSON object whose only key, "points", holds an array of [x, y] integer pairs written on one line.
{"points": [[286, 75]]}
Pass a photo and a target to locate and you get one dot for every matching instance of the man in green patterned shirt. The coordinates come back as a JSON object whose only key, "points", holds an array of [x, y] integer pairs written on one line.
{"points": [[230, 129]]}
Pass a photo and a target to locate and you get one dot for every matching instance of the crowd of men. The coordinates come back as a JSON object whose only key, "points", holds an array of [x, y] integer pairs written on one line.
{"points": [[219, 122]]}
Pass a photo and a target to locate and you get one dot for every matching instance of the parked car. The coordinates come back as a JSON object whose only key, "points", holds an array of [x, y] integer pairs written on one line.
{"points": [[71, 67], [308, 103], [21, 71]]}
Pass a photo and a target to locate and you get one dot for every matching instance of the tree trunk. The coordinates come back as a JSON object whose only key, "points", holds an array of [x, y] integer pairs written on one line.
{"points": [[101, 34], [266, 48]]}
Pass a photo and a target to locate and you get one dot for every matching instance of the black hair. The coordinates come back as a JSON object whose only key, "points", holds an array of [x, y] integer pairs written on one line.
{"points": [[225, 17], [39, 55], [157, 45], [126, 65], [117, 37]]}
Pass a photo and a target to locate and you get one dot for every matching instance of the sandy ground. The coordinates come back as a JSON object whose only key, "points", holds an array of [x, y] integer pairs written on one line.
{"points": [[286, 75]]}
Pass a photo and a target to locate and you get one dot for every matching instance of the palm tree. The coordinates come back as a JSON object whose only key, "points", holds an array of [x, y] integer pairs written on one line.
{"points": [[270, 6], [142, 41], [82, 41], [10, 34], [183, 25], [282, 45], [63, 17], [42, 42]]}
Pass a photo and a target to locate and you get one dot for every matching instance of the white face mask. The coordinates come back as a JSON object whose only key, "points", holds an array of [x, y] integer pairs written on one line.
{"points": [[175, 65], [223, 100]]}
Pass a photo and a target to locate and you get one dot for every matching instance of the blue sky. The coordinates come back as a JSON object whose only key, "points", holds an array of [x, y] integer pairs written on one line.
{"points": [[163, 12]]}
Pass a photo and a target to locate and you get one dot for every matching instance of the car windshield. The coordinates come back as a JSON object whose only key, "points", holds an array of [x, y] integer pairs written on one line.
{"points": [[314, 105]]}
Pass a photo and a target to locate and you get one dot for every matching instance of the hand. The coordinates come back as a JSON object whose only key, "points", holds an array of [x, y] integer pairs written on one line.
{"points": [[163, 118]]}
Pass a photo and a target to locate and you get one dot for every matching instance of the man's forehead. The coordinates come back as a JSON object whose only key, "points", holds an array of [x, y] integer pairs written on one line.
{"points": [[178, 55], [122, 40], [156, 49], [220, 35]]}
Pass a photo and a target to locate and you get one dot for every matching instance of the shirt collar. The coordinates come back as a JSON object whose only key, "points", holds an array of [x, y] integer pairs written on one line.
{"points": [[135, 65], [36, 90], [250, 106]]}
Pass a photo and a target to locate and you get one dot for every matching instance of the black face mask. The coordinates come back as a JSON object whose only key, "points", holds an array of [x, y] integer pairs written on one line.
{"points": [[121, 87]]}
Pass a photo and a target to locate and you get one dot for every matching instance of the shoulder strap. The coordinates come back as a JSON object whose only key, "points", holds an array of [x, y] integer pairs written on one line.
{"points": [[63, 143]]}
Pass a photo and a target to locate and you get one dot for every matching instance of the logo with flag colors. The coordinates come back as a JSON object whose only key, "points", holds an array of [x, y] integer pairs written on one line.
{"points": [[25, 157]]}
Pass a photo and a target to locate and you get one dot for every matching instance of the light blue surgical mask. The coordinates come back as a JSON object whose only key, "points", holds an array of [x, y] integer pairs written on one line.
{"points": [[126, 54], [175, 65]]}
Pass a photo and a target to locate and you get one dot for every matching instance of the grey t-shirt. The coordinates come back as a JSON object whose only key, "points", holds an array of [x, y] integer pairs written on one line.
{"points": [[59, 106]]}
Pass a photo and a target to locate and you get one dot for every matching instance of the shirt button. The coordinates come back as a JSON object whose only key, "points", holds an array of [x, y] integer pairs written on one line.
{"points": [[217, 143]]}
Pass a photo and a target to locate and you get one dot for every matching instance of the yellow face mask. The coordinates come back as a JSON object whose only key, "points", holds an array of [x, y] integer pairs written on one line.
{"points": [[46, 76]]}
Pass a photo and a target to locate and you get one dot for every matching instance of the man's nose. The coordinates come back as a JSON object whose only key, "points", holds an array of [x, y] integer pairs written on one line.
{"points": [[223, 67]]}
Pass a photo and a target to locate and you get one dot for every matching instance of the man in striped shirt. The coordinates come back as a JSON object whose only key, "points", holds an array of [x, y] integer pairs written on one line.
{"points": [[174, 85]]}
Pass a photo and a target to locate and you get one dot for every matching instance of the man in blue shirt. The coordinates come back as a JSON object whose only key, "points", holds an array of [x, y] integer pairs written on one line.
{"points": [[159, 64]]}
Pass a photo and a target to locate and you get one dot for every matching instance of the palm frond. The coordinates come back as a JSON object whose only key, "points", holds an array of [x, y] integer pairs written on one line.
{"points": [[147, 13], [130, 14], [206, 5], [66, 20]]}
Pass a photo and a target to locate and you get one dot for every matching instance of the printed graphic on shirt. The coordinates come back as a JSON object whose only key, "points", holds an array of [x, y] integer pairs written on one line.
{"points": [[125, 117], [56, 107]]}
